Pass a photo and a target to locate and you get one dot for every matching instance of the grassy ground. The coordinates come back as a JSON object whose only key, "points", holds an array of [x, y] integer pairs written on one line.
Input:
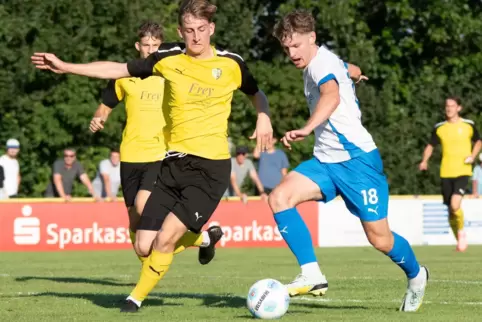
{"points": [[364, 286]]}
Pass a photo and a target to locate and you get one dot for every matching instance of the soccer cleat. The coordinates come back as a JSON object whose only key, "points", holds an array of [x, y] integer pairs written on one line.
{"points": [[129, 307], [414, 296], [461, 241], [206, 254], [302, 285]]}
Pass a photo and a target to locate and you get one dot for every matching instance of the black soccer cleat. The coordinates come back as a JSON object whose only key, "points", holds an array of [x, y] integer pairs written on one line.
{"points": [[206, 254], [129, 307]]}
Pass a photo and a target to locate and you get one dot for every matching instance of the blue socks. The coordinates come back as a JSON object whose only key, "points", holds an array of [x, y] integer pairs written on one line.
{"points": [[402, 255], [295, 233]]}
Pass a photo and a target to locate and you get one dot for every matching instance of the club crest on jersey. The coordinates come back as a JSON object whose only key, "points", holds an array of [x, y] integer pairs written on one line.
{"points": [[216, 72]]}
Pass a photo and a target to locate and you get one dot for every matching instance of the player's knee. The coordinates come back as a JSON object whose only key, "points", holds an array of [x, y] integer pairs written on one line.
{"points": [[381, 243], [165, 242], [279, 199], [142, 249]]}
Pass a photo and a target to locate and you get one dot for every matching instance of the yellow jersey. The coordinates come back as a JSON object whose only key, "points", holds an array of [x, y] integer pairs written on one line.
{"points": [[198, 96], [456, 140], [142, 139]]}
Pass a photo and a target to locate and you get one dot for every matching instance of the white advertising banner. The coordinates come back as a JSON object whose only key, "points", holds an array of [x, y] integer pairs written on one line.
{"points": [[421, 221], [436, 228]]}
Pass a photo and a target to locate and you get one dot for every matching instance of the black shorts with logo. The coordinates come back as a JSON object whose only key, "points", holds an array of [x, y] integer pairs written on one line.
{"points": [[190, 187], [137, 176], [453, 186]]}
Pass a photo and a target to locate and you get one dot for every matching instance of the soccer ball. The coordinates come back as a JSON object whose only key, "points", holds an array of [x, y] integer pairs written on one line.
{"points": [[268, 299]]}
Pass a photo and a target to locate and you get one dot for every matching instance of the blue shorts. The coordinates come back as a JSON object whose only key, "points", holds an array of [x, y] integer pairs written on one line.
{"points": [[359, 181]]}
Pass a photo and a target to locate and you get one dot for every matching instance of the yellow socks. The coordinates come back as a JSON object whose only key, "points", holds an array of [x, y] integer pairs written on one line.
{"points": [[189, 239], [456, 220], [153, 270]]}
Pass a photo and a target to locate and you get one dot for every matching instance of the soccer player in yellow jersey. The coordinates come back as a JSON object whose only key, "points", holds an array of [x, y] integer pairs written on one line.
{"points": [[200, 80], [143, 145], [461, 144]]}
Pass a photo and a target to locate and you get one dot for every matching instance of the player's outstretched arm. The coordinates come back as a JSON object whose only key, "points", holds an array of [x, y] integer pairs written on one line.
{"points": [[327, 104], [100, 69]]}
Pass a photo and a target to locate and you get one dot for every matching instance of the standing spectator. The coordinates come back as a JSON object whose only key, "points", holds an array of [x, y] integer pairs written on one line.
{"points": [[240, 168], [107, 182], [273, 166], [3, 195], [11, 168], [64, 173], [477, 179]]}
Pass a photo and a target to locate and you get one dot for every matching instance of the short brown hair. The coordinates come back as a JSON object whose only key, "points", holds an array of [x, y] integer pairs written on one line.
{"points": [[202, 9], [151, 29], [299, 21], [456, 99]]}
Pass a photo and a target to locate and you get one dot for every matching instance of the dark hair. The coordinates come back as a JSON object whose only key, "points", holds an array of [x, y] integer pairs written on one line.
{"points": [[202, 9], [456, 99], [299, 21], [151, 29], [114, 150]]}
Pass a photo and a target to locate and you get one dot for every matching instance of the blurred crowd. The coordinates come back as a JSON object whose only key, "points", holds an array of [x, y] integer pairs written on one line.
{"points": [[253, 173]]}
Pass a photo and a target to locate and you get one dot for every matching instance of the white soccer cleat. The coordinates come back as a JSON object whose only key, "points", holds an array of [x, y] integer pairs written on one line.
{"points": [[414, 297], [303, 285]]}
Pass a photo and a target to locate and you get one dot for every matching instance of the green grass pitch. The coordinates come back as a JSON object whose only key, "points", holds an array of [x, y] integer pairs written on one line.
{"points": [[364, 286]]}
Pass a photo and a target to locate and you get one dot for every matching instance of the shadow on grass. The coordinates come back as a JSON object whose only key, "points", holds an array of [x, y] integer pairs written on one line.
{"points": [[72, 280], [210, 300]]}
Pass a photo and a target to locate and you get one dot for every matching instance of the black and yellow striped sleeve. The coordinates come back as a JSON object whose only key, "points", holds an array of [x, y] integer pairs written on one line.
{"points": [[149, 66], [113, 94]]}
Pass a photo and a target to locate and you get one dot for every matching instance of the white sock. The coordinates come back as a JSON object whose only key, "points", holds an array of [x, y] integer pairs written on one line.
{"points": [[311, 270], [418, 280], [206, 240], [138, 303]]}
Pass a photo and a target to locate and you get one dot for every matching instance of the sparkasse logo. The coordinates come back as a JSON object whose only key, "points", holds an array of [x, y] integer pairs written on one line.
{"points": [[26, 229]]}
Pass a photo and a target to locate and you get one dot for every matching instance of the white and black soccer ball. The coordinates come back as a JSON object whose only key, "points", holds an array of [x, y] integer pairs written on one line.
{"points": [[268, 299]]}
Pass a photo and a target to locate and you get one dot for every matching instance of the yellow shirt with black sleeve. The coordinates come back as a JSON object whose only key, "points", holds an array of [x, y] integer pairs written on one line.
{"points": [[198, 96], [456, 140], [143, 139]]}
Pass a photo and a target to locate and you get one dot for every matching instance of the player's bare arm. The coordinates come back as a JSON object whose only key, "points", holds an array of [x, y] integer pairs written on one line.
{"points": [[264, 131], [427, 153], [356, 73], [327, 104], [100, 69], [100, 117], [475, 152]]}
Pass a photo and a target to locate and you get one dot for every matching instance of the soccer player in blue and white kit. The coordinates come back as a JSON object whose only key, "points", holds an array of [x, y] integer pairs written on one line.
{"points": [[346, 162]]}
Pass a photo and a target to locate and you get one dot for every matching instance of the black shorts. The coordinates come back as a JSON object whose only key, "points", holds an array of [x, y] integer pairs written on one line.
{"points": [[190, 187], [137, 176], [453, 186]]}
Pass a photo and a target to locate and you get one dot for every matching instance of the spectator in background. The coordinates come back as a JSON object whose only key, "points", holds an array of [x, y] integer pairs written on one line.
{"points": [[3, 195], [241, 166], [477, 179], [107, 181], [11, 168], [273, 166], [64, 173]]}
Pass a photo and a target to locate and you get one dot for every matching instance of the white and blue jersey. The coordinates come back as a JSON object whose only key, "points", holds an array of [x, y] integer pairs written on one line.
{"points": [[346, 160]]}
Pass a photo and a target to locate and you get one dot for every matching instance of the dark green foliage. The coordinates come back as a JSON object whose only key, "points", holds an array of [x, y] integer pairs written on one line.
{"points": [[415, 53]]}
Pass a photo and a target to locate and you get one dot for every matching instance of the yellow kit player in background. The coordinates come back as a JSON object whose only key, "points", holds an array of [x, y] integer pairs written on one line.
{"points": [[461, 144], [143, 143]]}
